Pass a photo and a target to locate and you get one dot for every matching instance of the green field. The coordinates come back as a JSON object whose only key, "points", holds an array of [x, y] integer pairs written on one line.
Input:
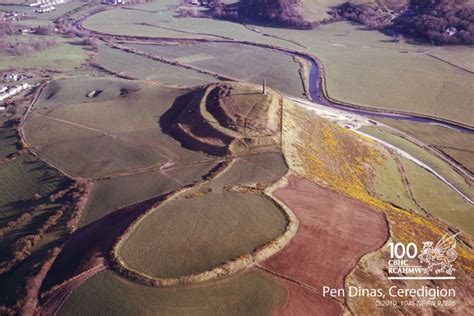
{"points": [[438, 198], [248, 63], [180, 237], [430, 193], [362, 67], [86, 11], [65, 56], [74, 90], [82, 152], [457, 145], [13, 282], [442, 167], [26, 183], [137, 66], [244, 294], [8, 140], [111, 194], [22, 178], [387, 185], [108, 136], [263, 168]]}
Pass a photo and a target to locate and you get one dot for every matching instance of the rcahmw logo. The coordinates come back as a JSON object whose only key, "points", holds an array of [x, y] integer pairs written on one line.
{"points": [[432, 262]]}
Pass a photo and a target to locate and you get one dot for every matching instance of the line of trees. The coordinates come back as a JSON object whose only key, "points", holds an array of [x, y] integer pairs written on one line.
{"points": [[21, 248], [14, 223]]}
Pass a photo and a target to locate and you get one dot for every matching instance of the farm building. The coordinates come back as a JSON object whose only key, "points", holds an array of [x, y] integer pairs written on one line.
{"points": [[45, 8], [113, 2], [47, 3], [12, 91], [12, 76]]}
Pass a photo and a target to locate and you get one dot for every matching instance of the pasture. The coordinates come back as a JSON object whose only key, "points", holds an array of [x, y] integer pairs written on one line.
{"points": [[362, 67], [140, 67], [442, 167], [393, 183], [65, 56], [387, 184], [247, 63], [439, 199], [86, 153], [8, 140], [247, 293], [262, 169], [111, 135], [180, 237], [455, 144], [22, 178], [13, 282], [25, 209], [110, 194], [74, 90]]}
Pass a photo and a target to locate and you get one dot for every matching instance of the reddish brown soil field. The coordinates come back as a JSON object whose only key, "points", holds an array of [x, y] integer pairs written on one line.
{"points": [[335, 232]]}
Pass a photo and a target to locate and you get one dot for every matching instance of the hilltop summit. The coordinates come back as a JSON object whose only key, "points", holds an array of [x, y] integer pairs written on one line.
{"points": [[230, 118]]}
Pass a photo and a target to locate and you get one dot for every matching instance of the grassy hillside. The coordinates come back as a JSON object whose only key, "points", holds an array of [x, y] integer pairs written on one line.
{"points": [[114, 132], [180, 238], [111, 194], [245, 294]]}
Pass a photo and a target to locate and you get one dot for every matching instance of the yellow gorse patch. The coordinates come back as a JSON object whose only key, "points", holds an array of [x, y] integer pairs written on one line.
{"points": [[345, 162]]}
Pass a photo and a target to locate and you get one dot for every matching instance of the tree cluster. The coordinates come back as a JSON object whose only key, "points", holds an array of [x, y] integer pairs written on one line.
{"points": [[439, 21], [45, 30], [370, 15], [19, 48], [281, 12]]}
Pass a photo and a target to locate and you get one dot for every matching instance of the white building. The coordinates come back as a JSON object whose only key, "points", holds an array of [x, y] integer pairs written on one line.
{"points": [[113, 2], [45, 8], [451, 31], [13, 76], [12, 91], [47, 2]]}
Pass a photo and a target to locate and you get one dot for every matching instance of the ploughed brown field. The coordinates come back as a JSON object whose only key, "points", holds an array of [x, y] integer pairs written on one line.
{"points": [[335, 232]]}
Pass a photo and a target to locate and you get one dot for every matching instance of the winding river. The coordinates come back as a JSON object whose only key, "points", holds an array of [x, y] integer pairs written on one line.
{"points": [[315, 91]]}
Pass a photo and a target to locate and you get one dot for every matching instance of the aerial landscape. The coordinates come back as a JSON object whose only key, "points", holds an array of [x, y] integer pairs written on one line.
{"points": [[236, 157]]}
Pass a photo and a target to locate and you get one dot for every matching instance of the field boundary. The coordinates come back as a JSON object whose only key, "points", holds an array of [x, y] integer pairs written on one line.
{"points": [[321, 77], [227, 268]]}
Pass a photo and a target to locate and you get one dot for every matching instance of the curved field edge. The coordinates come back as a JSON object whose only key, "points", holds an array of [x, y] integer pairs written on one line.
{"points": [[251, 292], [322, 77], [228, 267]]}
